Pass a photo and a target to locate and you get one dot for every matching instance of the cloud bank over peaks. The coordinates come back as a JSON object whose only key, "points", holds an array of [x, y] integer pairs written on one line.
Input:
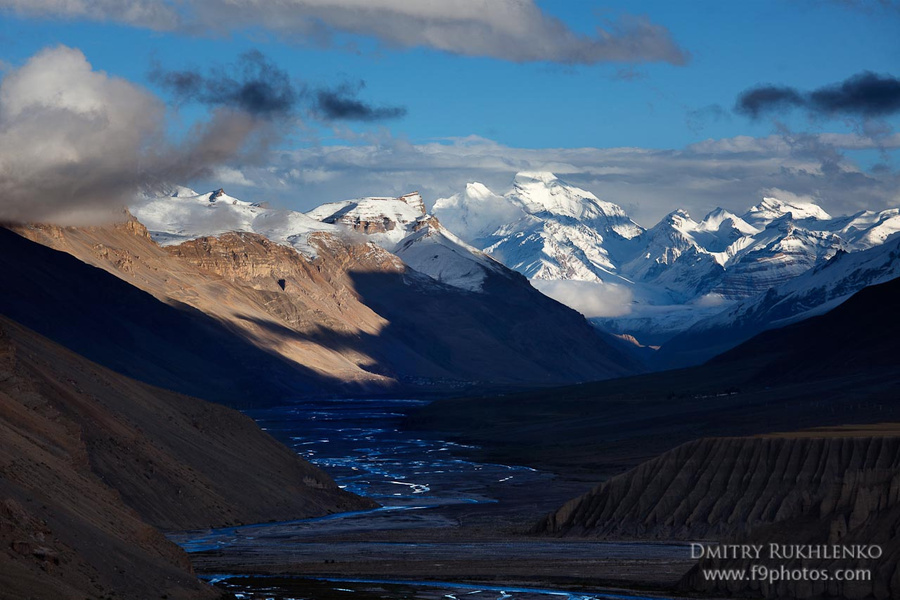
{"points": [[729, 172]]}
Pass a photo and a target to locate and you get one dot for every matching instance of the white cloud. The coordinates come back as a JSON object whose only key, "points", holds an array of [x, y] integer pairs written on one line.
{"points": [[231, 176], [152, 14], [515, 30], [732, 173], [71, 136], [590, 298], [76, 144]]}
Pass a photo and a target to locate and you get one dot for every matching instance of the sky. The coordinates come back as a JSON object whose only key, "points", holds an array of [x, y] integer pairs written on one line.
{"points": [[652, 105]]}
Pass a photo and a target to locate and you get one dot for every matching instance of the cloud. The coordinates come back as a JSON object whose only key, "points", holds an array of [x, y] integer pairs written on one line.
{"points": [[865, 95], [341, 104], [76, 144], [648, 183], [513, 30], [151, 14], [768, 98], [254, 85], [590, 298]]}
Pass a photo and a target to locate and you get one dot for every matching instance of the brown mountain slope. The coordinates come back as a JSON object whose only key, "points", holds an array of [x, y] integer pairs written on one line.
{"points": [[205, 309], [355, 320], [90, 460], [784, 490]]}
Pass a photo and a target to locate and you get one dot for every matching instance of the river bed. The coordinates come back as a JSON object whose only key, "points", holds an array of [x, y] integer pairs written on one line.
{"points": [[444, 522]]}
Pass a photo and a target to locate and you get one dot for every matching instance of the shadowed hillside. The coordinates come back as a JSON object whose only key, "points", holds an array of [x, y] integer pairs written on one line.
{"points": [[354, 320], [842, 367], [91, 460]]}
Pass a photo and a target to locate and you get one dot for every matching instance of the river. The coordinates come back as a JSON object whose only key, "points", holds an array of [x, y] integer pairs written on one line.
{"points": [[444, 521]]}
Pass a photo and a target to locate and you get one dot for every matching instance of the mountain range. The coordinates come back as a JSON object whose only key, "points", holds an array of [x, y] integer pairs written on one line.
{"points": [[295, 306], [678, 274], [691, 288]]}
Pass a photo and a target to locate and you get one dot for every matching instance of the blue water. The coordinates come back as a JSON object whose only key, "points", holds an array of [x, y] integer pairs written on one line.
{"points": [[444, 589], [361, 445]]}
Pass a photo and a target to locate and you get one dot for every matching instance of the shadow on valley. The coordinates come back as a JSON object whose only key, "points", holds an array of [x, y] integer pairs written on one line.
{"points": [[508, 332], [130, 331], [837, 369], [441, 339]]}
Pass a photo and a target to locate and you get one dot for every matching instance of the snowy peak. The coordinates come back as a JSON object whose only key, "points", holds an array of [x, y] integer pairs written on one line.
{"points": [[772, 208], [180, 214], [544, 193], [721, 220], [542, 227], [386, 220], [436, 252], [540, 192], [414, 200], [679, 219], [479, 191], [477, 213]]}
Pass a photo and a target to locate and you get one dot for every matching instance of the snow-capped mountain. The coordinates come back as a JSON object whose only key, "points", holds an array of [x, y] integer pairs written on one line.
{"points": [[385, 221], [181, 214], [678, 272], [543, 227], [433, 250], [811, 293], [671, 257], [403, 226], [652, 283], [771, 209], [399, 225]]}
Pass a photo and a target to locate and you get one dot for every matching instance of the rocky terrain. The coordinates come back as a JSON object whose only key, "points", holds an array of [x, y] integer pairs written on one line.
{"points": [[91, 463], [836, 487]]}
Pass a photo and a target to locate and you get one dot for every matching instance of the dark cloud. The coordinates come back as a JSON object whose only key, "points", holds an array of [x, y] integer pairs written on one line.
{"points": [[865, 95], [341, 104], [253, 84], [758, 100], [256, 86]]}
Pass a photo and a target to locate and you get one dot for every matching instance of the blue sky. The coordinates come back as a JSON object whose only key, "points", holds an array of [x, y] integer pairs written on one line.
{"points": [[646, 104]]}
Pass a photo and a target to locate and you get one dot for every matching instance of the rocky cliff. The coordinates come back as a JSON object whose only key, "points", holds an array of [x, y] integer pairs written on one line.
{"points": [[817, 488]]}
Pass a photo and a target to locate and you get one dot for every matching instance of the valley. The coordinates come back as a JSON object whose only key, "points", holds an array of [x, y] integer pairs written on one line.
{"points": [[443, 518], [473, 422], [449, 300]]}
